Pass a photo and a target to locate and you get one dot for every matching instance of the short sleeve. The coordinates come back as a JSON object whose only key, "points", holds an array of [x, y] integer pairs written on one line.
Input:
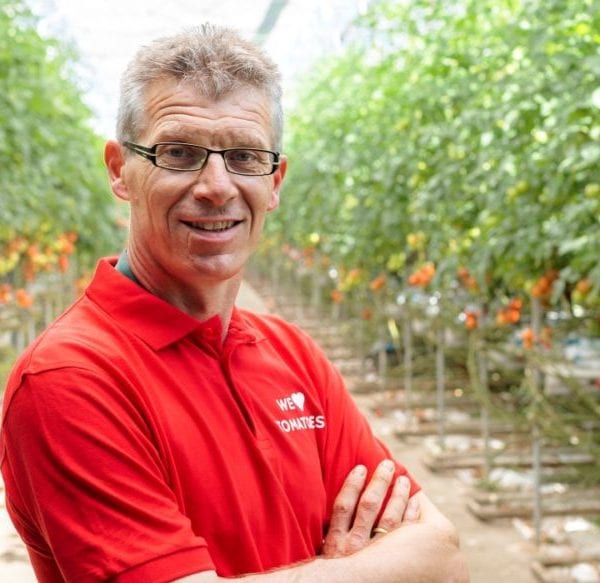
{"points": [[87, 487]]}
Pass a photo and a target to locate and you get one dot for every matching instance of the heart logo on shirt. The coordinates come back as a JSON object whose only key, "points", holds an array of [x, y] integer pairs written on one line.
{"points": [[298, 399]]}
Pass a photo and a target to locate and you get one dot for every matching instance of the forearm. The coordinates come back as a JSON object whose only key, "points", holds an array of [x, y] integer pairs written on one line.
{"points": [[414, 553], [411, 554]]}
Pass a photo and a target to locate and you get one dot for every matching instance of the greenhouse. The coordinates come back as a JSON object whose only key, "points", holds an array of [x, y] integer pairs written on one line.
{"points": [[438, 235]]}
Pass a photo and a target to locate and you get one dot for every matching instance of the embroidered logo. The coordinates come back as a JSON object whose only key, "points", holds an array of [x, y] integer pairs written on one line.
{"points": [[296, 402]]}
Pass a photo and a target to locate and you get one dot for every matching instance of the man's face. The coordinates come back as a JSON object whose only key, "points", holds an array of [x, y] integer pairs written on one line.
{"points": [[201, 225]]}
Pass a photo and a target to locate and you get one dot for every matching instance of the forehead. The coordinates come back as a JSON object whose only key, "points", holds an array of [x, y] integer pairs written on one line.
{"points": [[177, 111]]}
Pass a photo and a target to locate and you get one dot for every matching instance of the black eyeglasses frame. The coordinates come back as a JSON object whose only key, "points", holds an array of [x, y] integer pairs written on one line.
{"points": [[149, 152]]}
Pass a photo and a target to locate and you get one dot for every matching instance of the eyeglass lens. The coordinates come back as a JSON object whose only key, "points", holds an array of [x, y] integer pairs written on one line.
{"points": [[191, 157]]}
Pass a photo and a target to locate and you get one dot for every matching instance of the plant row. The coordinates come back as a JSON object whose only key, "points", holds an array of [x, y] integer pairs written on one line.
{"points": [[52, 180], [454, 144]]}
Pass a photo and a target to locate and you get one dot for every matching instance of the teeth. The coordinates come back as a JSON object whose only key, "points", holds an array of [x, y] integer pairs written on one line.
{"points": [[216, 226]]}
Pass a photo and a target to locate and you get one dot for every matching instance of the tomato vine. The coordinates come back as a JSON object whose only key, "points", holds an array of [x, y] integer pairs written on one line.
{"points": [[52, 180], [472, 127]]}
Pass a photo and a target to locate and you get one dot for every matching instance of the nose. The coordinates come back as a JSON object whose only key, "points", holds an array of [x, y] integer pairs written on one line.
{"points": [[214, 183]]}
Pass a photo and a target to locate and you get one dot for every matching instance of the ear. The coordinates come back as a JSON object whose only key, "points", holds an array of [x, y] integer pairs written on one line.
{"points": [[278, 177], [114, 161]]}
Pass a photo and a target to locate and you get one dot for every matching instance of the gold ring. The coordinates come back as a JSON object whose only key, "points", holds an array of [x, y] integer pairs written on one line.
{"points": [[379, 530]]}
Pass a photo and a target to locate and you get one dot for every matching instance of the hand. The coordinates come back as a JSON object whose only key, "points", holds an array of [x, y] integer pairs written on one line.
{"points": [[355, 510]]}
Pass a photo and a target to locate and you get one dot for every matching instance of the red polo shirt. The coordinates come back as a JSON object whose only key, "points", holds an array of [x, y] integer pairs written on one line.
{"points": [[135, 447]]}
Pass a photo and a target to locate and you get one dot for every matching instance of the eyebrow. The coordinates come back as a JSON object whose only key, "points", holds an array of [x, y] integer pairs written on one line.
{"points": [[231, 139]]}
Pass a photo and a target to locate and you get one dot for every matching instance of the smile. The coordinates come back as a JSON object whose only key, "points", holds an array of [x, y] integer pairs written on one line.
{"points": [[212, 226]]}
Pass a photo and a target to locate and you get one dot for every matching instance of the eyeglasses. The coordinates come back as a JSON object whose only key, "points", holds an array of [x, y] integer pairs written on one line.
{"points": [[189, 157]]}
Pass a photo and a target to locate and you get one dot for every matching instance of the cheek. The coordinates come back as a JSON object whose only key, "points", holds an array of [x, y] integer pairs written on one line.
{"points": [[259, 222], [264, 199], [153, 195]]}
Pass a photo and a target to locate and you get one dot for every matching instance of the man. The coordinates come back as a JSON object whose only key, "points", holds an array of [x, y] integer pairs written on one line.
{"points": [[155, 432]]}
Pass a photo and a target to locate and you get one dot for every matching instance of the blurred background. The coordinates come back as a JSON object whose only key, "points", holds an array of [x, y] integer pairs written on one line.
{"points": [[106, 35], [439, 231]]}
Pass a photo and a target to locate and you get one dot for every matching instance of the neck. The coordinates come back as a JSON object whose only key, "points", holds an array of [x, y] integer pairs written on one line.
{"points": [[201, 298]]}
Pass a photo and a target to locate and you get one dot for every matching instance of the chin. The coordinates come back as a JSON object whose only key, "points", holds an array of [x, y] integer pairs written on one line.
{"points": [[216, 271]]}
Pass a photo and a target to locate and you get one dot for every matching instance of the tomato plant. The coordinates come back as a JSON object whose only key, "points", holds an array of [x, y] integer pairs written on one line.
{"points": [[52, 180], [465, 135]]}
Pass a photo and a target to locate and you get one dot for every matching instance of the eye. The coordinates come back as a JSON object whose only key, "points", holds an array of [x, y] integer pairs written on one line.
{"points": [[243, 156], [178, 151], [180, 156]]}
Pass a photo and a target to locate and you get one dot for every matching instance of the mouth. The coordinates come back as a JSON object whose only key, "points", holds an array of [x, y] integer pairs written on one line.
{"points": [[212, 226]]}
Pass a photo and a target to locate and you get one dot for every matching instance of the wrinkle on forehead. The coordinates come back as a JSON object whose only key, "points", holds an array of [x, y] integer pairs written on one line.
{"points": [[175, 111], [219, 136]]}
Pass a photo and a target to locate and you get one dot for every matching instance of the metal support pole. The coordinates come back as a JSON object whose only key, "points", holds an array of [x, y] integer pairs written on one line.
{"points": [[440, 384], [485, 414], [408, 360], [536, 446], [382, 359], [536, 437]]}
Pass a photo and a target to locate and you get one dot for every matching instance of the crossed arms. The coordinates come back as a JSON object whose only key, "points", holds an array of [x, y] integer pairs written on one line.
{"points": [[413, 541], [75, 433]]}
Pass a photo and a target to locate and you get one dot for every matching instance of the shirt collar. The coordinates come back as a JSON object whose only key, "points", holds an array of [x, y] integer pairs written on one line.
{"points": [[154, 320]]}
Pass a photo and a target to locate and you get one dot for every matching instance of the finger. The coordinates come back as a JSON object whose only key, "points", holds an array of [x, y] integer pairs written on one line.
{"points": [[346, 501], [413, 510], [371, 501], [397, 505]]}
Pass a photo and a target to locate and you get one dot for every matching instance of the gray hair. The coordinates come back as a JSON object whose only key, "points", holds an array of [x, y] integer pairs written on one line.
{"points": [[215, 60]]}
